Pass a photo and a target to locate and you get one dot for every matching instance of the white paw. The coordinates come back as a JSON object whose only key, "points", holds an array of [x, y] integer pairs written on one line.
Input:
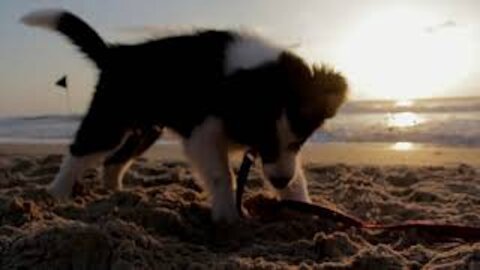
{"points": [[297, 190], [294, 194], [59, 192]]}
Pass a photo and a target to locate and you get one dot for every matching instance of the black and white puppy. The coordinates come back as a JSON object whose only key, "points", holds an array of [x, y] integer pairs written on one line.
{"points": [[219, 90]]}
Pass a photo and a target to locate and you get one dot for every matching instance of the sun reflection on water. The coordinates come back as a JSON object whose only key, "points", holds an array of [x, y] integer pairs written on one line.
{"points": [[402, 146], [404, 103], [404, 119]]}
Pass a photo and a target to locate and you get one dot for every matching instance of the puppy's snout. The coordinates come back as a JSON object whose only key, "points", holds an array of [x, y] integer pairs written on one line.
{"points": [[280, 172], [280, 182]]}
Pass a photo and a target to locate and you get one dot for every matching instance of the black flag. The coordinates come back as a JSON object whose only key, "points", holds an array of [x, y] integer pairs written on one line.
{"points": [[62, 82]]}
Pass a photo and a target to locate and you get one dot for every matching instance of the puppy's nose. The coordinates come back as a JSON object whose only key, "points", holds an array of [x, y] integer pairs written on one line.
{"points": [[280, 182]]}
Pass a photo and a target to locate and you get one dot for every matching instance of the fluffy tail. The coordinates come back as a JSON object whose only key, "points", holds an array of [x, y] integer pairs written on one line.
{"points": [[75, 29]]}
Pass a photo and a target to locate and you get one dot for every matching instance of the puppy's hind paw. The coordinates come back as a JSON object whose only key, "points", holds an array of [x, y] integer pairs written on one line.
{"points": [[58, 192]]}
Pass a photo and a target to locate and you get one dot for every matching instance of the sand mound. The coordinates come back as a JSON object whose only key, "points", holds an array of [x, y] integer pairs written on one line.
{"points": [[162, 220]]}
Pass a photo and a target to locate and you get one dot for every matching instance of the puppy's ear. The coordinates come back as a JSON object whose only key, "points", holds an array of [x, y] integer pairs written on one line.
{"points": [[329, 91]]}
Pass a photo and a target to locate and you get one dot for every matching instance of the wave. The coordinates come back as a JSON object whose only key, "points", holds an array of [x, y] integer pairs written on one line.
{"points": [[444, 105], [452, 121]]}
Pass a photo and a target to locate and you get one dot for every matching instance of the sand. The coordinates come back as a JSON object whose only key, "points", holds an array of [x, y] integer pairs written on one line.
{"points": [[162, 218]]}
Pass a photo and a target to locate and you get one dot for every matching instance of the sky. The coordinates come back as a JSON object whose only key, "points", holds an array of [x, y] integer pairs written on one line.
{"points": [[388, 49]]}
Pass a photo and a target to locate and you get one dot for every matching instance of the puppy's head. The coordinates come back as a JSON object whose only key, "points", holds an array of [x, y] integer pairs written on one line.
{"points": [[313, 94], [279, 155]]}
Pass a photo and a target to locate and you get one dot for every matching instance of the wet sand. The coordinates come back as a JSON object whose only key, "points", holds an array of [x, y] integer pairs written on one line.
{"points": [[162, 218]]}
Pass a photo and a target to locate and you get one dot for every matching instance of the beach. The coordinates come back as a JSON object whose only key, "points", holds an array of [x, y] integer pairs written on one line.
{"points": [[380, 98], [161, 220]]}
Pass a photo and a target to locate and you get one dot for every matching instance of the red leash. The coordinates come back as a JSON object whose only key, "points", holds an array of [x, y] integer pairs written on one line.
{"points": [[264, 207]]}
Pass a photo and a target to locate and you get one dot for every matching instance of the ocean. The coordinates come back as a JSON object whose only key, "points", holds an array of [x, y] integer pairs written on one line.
{"points": [[448, 121]]}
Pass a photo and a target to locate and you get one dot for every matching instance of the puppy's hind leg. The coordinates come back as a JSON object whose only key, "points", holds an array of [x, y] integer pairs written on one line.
{"points": [[135, 145], [92, 144], [207, 150], [113, 174]]}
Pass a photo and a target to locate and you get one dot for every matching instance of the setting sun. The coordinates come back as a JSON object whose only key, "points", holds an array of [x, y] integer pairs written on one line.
{"points": [[401, 53]]}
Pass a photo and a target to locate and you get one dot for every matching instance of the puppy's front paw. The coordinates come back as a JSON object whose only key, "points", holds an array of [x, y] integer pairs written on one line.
{"points": [[295, 192], [59, 192], [224, 213]]}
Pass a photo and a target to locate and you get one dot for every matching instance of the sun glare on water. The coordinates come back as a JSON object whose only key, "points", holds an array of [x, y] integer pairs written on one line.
{"points": [[403, 103], [404, 53], [402, 146], [404, 120]]}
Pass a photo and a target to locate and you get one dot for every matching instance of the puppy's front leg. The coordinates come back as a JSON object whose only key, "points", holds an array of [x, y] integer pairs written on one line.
{"points": [[297, 190], [208, 152], [72, 169]]}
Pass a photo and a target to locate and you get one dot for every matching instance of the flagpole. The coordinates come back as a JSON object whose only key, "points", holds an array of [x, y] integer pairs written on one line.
{"points": [[67, 96]]}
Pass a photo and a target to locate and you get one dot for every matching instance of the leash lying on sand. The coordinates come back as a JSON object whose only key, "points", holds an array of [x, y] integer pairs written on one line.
{"points": [[263, 206]]}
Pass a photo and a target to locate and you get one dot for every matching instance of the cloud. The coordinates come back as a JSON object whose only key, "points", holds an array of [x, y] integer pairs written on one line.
{"points": [[441, 26]]}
